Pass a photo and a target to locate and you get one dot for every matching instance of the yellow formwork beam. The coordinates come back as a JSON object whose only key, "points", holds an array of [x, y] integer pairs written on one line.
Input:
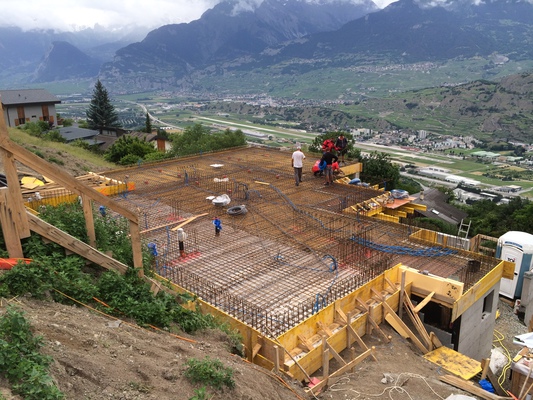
{"points": [[387, 217], [420, 207], [446, 290], [352, 169], [426, 235], [477, 291], [395, 213], [408, 210]]}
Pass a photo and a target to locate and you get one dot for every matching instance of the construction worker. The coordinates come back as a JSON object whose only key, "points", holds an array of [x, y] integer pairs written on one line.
{"points": [[218, 225], [329, 158], [182, 236], [297, 163], [341, 145]]}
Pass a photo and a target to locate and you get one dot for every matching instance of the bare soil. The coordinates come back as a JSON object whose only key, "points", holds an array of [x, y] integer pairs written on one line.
{"points": [[97, 357]]}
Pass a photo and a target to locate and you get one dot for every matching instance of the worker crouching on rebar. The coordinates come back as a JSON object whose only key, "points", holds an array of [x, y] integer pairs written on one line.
{"points": [[182, 237]]}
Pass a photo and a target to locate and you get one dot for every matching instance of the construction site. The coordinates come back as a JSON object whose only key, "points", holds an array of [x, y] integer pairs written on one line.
{"points": [[302, 271]]}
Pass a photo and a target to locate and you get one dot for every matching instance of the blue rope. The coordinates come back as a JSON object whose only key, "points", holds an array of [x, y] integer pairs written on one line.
{"points": [[425, 252]]}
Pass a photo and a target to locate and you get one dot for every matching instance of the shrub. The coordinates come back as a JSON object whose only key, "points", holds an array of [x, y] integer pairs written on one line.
{"points": [[209, 372], [21, 362]]}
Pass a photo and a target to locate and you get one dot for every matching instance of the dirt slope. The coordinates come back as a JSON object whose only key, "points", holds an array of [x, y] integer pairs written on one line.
{"points": [[98, 358]]}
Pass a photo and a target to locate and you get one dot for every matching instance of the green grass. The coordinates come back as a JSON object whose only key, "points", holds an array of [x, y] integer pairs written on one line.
{"points": [[24, 139]]}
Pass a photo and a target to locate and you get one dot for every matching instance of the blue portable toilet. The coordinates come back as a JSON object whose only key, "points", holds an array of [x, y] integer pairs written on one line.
{"points": [[517, 247]]}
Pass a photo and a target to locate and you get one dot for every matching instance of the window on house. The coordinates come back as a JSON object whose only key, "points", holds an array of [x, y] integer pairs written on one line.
{"points": [[46, 113], [21, 116]]}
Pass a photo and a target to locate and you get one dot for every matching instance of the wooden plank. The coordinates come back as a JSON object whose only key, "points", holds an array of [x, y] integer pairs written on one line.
{"points": [[76, 246], [359, 340], [399, 322], [340, 314], [15, 202], [421, 305], [9, 229], [336, 355], [325, 328], [435, 341], [454, 362], [419, 325], [391, 284], [397, 327], [87, 205], [188, 220], [255, 350], [306, 343], [59, 176], [341, 371]]}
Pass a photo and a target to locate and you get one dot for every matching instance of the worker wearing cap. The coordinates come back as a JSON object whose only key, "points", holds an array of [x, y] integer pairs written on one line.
{"points": [[297, 163]]}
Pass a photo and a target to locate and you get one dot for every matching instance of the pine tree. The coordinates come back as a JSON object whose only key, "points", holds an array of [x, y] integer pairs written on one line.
{"points": [[101, 112], [148, 124]]}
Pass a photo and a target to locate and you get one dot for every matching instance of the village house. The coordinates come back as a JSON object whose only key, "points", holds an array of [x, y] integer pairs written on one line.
{"points": [[28, 105]]}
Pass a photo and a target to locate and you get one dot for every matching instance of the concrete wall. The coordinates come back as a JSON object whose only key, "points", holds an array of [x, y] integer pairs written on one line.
{"points": [[477, 326], [526, 301]]}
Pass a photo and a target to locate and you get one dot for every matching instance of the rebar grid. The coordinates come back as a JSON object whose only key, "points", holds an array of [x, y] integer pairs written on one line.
{"points": [[291, 254]]}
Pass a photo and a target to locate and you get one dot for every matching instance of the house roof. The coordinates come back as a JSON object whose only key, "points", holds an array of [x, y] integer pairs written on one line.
{"points": [[438, 208], [71, 133], [143, 135], [27, 96]]}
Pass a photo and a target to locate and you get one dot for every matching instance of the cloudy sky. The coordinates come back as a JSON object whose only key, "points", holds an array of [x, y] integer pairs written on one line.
{"points": [[71, 14]]}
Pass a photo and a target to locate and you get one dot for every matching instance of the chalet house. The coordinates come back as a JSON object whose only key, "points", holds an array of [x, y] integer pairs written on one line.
{"points": [[28, 105]]}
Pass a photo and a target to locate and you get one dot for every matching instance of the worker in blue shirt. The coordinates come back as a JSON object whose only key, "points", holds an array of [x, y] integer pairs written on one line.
{"points": [[218, 225]]}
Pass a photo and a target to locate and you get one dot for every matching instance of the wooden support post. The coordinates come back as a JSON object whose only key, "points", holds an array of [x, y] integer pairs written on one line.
{"points": [[325, 360], [87, 205], [402, 290], [276, 359], [485, 363], [15, 202], [9, 228], [352, 357], [417, 322], [136, 247], [349, 339]]}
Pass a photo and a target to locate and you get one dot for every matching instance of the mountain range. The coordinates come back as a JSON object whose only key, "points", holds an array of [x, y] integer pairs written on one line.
{"points": [[281, 39]]}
